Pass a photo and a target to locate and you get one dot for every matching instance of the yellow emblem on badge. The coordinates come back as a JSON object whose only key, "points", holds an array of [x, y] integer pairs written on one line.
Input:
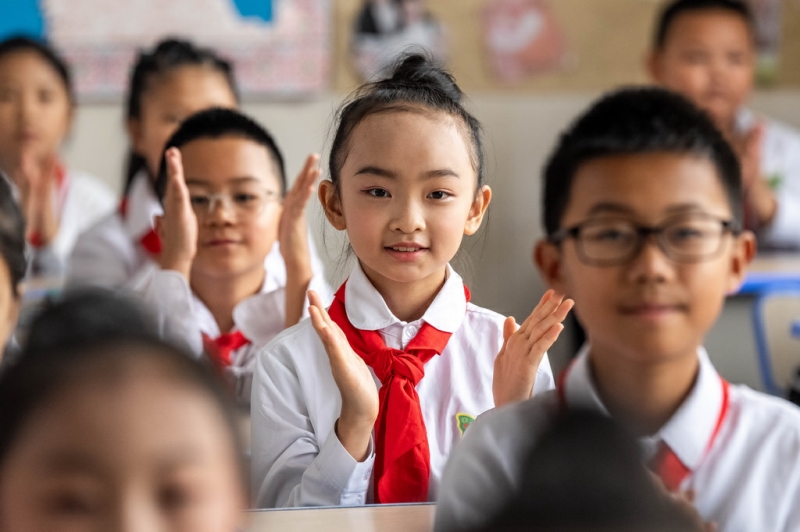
{"points": [[463, 421]]}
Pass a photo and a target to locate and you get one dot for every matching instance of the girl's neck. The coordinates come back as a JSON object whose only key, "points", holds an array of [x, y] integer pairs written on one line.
{"points": [[221, 294], [407, 301], [643, 397]]}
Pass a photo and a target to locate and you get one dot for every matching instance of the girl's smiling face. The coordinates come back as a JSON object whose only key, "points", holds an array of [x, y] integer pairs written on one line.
{"points": [[406, 196]]}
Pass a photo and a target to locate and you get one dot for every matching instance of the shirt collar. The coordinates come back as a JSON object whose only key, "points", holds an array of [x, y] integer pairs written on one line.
{"points": [[687, 432], [142, 206], [367, 310]]}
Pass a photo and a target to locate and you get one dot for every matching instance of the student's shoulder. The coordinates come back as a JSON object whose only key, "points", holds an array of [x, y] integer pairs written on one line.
{"points": [[86, 185], [767, 415], [300, 340], [481, 315]]}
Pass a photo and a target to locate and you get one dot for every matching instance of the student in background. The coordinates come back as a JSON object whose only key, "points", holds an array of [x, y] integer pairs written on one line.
{"points": [[401, 351], [120, 435], [236, 263], [706, 50], [37, 105], [168, 83], [12, 265], [643, 212]]}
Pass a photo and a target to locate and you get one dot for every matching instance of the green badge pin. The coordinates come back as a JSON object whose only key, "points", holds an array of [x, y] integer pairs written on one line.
{"points": [[463, 421]]}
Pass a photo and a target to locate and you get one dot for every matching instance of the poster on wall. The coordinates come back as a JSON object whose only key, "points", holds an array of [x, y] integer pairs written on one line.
{"points": [[385, 29], [522, 38], [279, 48]]}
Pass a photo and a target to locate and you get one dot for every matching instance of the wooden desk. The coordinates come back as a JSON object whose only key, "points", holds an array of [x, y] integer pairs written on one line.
{"points": [[386, 518]]}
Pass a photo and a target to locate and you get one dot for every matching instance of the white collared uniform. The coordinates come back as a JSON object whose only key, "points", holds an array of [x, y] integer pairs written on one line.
{"points": [[83, 203], [780, 165], [110, 253], [749, 480], [297, 459], [183, 318]]}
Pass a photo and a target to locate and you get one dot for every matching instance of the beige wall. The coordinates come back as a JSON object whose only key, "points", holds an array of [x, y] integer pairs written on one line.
{"points": [[520, 131]]}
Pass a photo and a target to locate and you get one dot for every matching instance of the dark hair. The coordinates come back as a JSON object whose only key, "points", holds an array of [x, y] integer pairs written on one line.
{"points": [[217, 123], [168, 55], [416, 84], [12, 236], [96, 334], [633, 121], [88, 315], [46, 52], [586, 473], [678, 7]]}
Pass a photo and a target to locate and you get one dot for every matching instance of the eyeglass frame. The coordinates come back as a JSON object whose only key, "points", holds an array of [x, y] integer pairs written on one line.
{"points": [[643, 233], [227, 201]]}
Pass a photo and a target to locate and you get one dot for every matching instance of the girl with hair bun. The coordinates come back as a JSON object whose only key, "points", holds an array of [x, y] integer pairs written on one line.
{"points": [[364, 402]]}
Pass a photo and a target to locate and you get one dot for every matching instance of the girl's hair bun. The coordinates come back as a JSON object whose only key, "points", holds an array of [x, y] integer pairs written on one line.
{"points": [[422, 73]]}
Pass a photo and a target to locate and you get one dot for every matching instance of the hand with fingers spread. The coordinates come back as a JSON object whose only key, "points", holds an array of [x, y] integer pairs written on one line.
{"points": [[524, 348], [37, 184], [293, 239], [354, 379], [177, 228]]}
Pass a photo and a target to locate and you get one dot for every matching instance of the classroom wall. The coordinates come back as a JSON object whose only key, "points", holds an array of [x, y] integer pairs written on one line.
{"points": [[520, 131]]}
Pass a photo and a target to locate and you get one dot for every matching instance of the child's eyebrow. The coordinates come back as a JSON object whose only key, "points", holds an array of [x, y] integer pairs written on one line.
{"points": [[605, 207], [382, 172], [196, 181], [70, 462]]}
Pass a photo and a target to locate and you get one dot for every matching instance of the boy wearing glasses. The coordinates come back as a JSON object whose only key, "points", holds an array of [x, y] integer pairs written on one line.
{"points": [[236, 260], [643, 212]]}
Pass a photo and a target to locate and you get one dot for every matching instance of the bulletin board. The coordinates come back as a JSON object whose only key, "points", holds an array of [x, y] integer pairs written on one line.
{"points": [[280, 48]]}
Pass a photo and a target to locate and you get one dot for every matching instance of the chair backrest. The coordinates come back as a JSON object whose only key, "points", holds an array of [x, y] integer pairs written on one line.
{"points": [[774, 316]]}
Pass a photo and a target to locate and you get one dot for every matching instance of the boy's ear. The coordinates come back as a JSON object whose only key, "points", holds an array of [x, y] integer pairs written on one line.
{"points": [[331, 204], [653, 65], [744, 249], [547, 257], [478, 210]]}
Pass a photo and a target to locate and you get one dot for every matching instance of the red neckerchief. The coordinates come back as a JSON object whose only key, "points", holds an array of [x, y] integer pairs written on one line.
{"points": [[150, 240], [402, 455], [219, 349], [665, 463]]}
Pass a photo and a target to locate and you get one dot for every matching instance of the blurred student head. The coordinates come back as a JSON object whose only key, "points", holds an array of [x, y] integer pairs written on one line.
{"points": [[12, 261], [36, 101], [173, 80], [705, 50], [117, 434], [586, 474]]}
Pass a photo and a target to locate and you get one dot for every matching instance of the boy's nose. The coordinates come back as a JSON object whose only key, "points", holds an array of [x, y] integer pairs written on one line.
{"points": [[651, 264]]}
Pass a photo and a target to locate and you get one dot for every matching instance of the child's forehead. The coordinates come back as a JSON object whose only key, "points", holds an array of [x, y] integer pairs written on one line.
{"points": [[228, 157], [697, 24], [647, 185]]}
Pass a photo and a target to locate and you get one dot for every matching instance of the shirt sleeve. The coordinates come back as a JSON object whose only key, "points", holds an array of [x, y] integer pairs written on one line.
{"points": [[168, 295], [98, 260], [781, 162], [291, 464]]}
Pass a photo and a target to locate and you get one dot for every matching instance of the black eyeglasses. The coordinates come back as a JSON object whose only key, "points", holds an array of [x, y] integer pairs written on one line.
{"points": [[683, 238]]}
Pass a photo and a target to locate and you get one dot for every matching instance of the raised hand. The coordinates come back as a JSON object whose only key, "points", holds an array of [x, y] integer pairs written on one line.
{"points": [[759, 198], [293, 239], [354, 379], [524, 347], [177, 228], [37, 185]]}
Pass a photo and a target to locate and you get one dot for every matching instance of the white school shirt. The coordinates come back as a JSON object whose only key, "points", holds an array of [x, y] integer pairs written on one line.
{"points": [[83, 203], [749, 480], [297, 459], [183, 318], [780, 164], [110, 253]]}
